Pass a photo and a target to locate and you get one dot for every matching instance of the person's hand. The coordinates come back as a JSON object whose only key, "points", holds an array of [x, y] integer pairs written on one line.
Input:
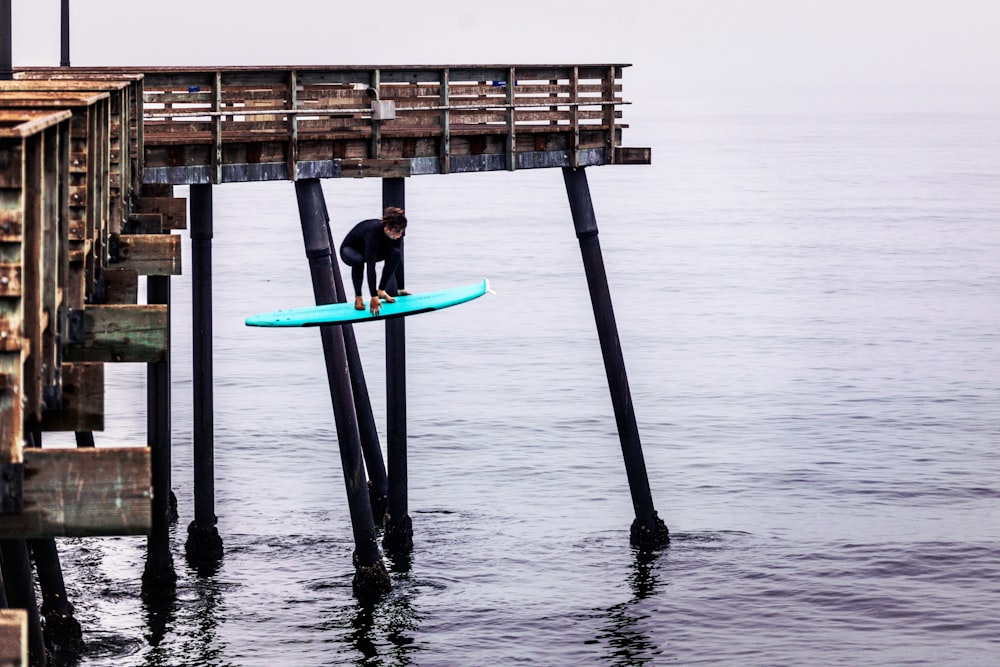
{"points": [[385, 297], [359, 302], [375, 306]]}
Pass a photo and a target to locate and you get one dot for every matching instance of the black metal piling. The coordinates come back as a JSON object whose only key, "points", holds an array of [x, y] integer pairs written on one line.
{"points": [[648, 530], [204, 545], [20, 591], [62, 631], [64, 34], [378, 481], [398, 535], [6, 41], [371, 577], [159, 578]]}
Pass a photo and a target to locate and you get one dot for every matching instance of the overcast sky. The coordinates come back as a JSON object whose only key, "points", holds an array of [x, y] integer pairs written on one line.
{"points": [[693, 54]]}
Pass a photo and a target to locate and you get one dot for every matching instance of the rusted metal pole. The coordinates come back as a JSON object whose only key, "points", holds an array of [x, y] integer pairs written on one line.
{"points": [[18, 586], [159, 579], [64, 33], [378, 481], [371, 577], [204, 546], [398, 535], [648, 530], [6, 41]]}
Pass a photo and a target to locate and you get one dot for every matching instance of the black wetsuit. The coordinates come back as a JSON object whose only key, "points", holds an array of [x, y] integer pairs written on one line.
{"points": [[365, 245]]}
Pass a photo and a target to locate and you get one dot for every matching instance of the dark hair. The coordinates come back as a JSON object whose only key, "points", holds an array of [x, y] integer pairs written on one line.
{"points": [[393, 218]]}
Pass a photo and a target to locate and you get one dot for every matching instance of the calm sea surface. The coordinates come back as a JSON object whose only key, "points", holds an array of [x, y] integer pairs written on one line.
{"points": [[809, 308]]}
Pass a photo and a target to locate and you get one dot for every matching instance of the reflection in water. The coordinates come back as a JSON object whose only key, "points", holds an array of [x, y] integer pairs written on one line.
{"points": [[161, 616], [201, 614], [382, 631], [626, 643]]}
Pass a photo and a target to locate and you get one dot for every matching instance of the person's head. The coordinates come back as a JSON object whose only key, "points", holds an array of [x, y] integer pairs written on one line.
{"points": [[393, 222]]}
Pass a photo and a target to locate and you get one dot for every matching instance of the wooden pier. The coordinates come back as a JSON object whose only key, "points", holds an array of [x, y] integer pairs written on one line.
{"points": [[89, 158]]}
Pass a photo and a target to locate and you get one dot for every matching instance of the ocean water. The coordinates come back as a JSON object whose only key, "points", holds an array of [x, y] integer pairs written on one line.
{"points": [[808, 309]]}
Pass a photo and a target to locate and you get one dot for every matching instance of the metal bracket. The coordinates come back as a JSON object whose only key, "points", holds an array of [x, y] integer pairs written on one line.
{"points": [[114, 249], [383, 109], [75, 329], [11, 488]]}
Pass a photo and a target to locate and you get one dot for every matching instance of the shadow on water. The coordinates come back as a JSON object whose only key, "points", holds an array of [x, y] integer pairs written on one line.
{"points": [[623, 639]]}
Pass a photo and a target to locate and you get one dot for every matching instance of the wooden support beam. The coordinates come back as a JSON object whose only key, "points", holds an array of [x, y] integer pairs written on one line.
{"points": [[13, 638], [122, 333], [173, 210], [150, 254], [82, 406], [82, 492], [633, 155], [375, 168], [121, 285]]}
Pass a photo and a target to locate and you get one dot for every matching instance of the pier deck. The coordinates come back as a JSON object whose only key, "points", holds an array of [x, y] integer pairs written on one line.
{"points": [[89, 158], [219, 125]]}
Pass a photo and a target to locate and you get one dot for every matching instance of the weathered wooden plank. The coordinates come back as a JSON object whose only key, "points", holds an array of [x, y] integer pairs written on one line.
{"points": [[122, 333], [22, 123], [625, 155], [375, 168], [82, 406], [121, 286], [13, 638], [10, 280], [173, 210], [82, 492], [150, 254]]}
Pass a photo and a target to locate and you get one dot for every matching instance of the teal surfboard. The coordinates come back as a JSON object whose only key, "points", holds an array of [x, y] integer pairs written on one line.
{"points": [[344, 313]]}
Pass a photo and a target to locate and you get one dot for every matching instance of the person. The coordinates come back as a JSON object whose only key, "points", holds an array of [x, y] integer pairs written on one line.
{"points": [[369, 242]]}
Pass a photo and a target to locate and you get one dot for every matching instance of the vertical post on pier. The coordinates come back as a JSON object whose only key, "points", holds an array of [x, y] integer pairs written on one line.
{"points": [[648, 530], [159, 579], [20, 592], [371, 577], [204, 546], [6, 41], [378, 482], [398, 527], [64, 33]]}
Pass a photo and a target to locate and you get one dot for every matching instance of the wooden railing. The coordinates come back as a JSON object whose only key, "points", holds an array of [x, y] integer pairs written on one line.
{"points": [[214, 125]]}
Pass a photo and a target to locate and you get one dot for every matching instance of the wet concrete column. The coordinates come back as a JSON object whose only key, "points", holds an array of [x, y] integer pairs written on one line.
{"points": [[648, 529], [371, 577], [398, 535], [204, 546]]}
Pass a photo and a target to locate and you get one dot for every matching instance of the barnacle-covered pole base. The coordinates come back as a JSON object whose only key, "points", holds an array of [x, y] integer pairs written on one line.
{"points": [[370, 581], [649, 535]]}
